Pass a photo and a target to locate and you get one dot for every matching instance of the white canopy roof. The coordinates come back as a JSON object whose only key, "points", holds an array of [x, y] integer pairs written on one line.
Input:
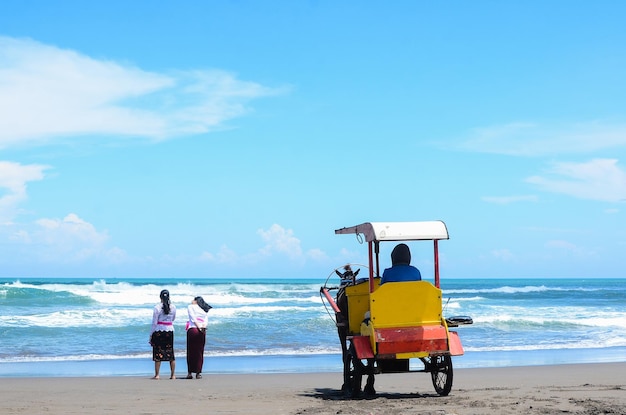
{"points": [[399, 231]]}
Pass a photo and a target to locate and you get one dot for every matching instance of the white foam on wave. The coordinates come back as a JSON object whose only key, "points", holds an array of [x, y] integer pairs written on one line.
{"points": [[575, 316], [127, 294], [306, 351], [511, 289], [247, 310], [280, 288], [99, 317], [573, 345], [458, 303], [506, 290], [111, 317]]}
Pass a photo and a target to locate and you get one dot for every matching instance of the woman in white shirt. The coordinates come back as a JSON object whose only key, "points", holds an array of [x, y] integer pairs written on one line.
{"points": [[196, 336], [162, 334]]}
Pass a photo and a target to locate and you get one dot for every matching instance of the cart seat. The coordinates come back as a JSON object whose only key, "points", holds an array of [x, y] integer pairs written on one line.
{"points": [[406, 319], [405, 304]]}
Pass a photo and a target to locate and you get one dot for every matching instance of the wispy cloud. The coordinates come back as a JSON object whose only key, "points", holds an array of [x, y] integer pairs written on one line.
{"points": [[598, 179], [503, 254], [224, 256], [278, 242], [47, 92], [70, 239], [533, 139], [569, 248], [60, 241], [14, 178], [505, 200]]}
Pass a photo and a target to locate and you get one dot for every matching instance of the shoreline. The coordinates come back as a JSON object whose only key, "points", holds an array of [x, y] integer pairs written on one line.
{"points": [[574, 388], [270, 364]]}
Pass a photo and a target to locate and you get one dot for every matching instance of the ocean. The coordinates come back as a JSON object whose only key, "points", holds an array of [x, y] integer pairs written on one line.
{"points": [[95, 327]]}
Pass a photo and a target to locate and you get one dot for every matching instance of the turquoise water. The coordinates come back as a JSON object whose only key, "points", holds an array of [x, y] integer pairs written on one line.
{"points": [[84, 327]]}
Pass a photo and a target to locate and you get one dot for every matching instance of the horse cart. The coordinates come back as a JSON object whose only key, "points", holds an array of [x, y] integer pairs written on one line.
{"points": [[395, 327]]}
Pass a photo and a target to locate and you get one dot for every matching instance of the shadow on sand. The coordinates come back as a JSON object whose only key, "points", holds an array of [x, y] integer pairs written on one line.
{"points": [[329, 394]]}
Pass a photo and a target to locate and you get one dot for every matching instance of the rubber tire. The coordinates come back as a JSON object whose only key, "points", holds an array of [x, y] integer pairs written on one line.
{"points": [[441, 373]]}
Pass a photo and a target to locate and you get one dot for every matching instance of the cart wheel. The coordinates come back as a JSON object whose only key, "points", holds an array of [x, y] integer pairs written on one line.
{"points": [[441, 373]]}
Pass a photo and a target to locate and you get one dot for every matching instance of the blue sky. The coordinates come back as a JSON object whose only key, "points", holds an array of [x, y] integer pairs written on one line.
{"points": [[230, 139]]}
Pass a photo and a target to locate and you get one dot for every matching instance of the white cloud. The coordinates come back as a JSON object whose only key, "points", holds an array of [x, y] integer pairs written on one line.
{"points": [[48, 92], [13, 180], [224, 256], [505, 200], [317, 254], [278, 241], [531, 139], [560, 244], [598, 179], [69, 239], [502, 254], [71, 228], [60, 241], [281, 240], [569, 248]]}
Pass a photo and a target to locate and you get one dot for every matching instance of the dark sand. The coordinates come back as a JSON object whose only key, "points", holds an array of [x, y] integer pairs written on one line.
{"points": [[569, 389]]}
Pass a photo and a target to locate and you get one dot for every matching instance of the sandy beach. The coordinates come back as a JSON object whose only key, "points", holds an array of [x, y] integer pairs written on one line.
{"points": [[574, 389]]}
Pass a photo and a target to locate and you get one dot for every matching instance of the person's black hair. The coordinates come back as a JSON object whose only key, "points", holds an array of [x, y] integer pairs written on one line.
{"points": [[202, 304], [165, 299]]}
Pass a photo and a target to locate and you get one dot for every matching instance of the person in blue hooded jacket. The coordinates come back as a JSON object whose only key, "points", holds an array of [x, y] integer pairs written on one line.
{"points": [[401, 268]]}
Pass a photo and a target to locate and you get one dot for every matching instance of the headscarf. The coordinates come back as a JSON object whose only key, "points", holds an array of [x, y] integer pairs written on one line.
{"points": [[401, 255], [202, 304]]}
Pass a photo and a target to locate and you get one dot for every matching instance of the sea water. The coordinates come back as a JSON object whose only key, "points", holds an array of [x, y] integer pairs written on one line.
{"points": [[93, 327]]}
